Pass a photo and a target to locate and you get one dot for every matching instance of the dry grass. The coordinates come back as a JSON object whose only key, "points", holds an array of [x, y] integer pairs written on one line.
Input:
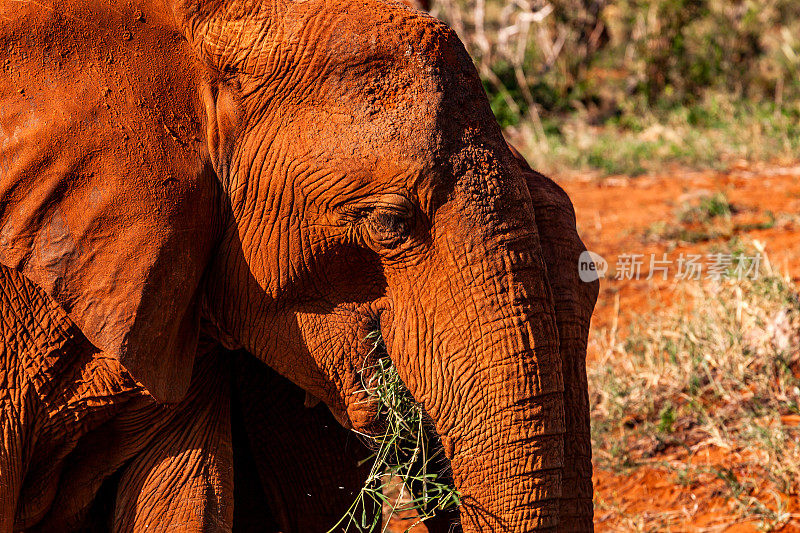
{"points": [[711, 217], [628, 87], [403, 485], [647, 141], [718, 370]]}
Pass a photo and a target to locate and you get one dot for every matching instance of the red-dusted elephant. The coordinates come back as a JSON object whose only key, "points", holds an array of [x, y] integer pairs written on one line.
{"points": [[281, 177]]}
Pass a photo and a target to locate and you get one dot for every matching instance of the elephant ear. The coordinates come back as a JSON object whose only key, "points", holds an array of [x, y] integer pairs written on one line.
{"points": [[106, 191]]}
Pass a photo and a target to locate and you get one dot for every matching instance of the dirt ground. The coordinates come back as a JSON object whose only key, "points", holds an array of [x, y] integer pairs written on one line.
{"points": [[615, 216]]}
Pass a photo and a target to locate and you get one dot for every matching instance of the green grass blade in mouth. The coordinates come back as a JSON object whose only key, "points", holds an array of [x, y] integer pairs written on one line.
{"points": [[404, 454]]}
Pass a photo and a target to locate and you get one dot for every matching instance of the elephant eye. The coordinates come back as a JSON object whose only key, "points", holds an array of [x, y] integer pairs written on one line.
{"points": [[388, 227]]}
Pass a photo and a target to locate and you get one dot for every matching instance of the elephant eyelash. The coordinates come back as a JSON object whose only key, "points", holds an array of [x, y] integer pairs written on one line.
{"points": [[359, 213], [391, 223], [383, 222], [354, 215], [388, 228]]}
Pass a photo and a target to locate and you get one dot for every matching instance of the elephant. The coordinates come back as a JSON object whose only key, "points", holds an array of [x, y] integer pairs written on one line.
{"points": [[184, 180], [106, 473]]}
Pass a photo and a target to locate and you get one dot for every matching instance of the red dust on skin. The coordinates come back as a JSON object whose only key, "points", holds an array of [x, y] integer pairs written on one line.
{"points": [[264, 171]]}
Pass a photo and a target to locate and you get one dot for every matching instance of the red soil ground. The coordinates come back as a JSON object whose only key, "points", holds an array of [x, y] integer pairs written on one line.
{"points": [[613, 216]]}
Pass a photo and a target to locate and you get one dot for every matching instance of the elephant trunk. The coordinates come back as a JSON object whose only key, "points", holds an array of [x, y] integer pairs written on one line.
{"points": [[492, 381], [508, 464]]}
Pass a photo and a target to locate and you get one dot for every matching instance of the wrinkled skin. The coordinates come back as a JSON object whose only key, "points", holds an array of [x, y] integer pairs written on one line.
{"points": [[295, 174], [73, 418], [130, 464], [574, 301]]}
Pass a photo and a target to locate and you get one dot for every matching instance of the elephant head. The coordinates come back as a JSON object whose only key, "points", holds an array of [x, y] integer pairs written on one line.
{"points": [[294, 174]]}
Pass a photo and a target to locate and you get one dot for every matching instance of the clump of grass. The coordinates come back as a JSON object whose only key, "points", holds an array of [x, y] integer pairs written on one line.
{"points": [[708, 208], [720, 369], [403, 458], [708, 218]]}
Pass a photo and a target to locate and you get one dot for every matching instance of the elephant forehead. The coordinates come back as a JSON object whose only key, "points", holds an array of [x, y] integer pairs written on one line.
{"points": [[352, 41], [315, 35], [403, 80], [354, 34], [359, 123]]}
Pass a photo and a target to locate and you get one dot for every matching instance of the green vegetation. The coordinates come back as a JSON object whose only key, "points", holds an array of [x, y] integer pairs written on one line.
{"points": [[708, 218], [707, 209], [721, 371], [402, 459], [738, 131], [633, 86]]}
